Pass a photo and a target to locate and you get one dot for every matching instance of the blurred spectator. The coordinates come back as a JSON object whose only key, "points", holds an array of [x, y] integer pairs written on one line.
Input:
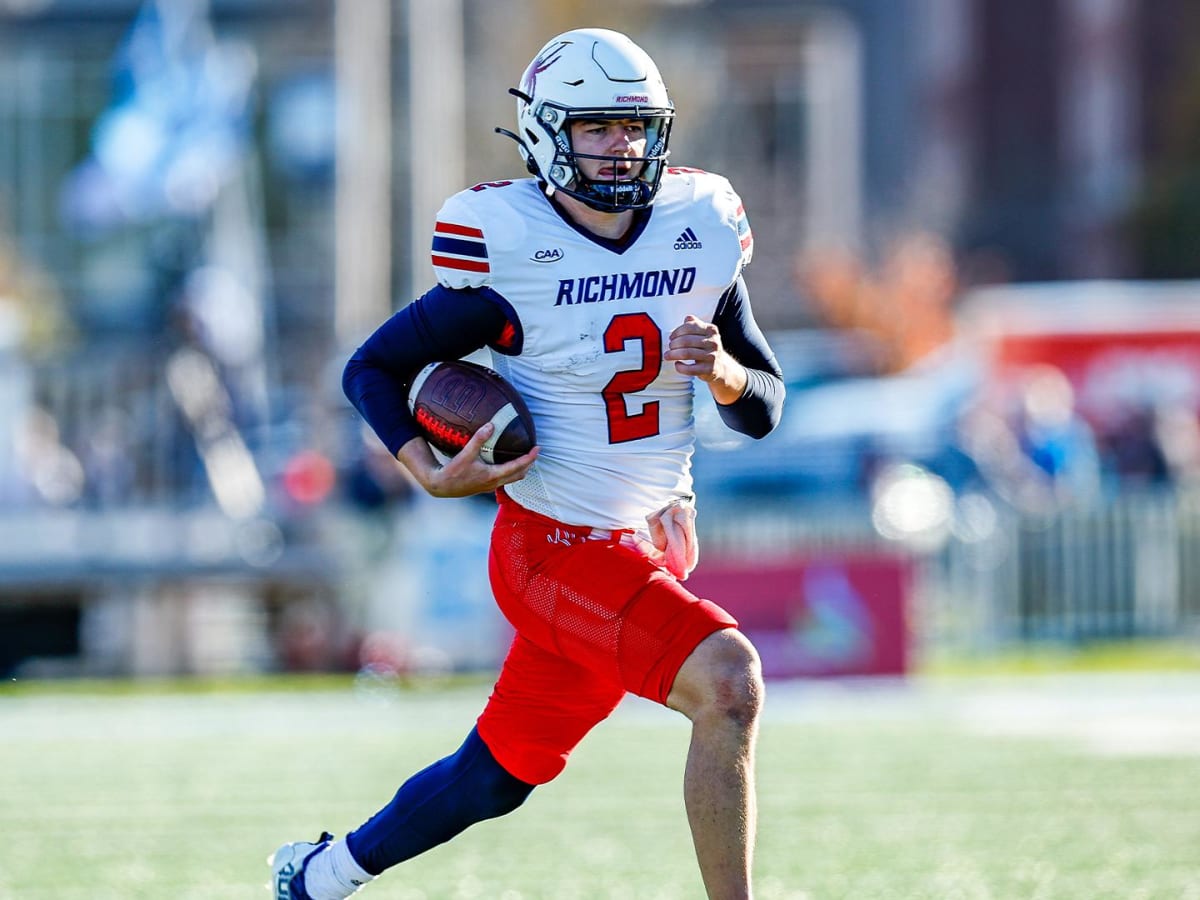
{"points": [[1177, 428], [220, 316], [108, 457], [32, 324], [1155, 443], [47, 467], [1131, 451], [1041, 457]]}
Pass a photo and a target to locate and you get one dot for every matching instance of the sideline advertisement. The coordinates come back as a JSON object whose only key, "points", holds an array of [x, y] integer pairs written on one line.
{"points": [[816, 617]]}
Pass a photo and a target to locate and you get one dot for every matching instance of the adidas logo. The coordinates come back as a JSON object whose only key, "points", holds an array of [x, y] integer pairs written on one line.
{"points": [[688, 241]]}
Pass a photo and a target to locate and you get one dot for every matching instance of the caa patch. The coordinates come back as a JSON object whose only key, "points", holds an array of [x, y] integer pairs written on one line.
{"points": [[551, 255]]}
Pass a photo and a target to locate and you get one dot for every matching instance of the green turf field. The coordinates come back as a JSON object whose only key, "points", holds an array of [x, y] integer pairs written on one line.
{"points": [[1081, 787]]}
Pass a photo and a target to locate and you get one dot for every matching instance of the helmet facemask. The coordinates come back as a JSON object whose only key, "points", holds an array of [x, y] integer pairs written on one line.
{"points": [[635, 190]]}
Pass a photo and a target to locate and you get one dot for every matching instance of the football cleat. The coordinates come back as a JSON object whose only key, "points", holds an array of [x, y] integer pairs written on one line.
{"points": [[287, 867]]}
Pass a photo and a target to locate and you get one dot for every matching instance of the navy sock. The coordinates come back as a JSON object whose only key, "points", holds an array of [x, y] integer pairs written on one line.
{"points": [[436, 804]]}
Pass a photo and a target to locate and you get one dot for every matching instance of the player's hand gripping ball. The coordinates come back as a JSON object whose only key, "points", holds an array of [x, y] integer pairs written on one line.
{"points": [[452, 400]]}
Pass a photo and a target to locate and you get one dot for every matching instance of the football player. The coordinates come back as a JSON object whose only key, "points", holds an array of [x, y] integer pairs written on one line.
{"points": [[606, 286]]}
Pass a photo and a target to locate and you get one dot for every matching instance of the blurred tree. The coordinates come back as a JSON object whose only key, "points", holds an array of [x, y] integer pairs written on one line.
{"points": [[32, 316], [903, 306], [556, 16], [1165, 222]]}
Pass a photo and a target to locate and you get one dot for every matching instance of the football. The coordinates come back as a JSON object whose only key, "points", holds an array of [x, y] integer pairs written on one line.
{"points": [[452, 400]]}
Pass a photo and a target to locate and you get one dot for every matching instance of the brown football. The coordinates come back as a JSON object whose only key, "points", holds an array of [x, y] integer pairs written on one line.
{"points": [[452, 400]]}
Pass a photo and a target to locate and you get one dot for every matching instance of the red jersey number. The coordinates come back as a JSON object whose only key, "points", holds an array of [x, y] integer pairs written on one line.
{"points": [[622, 424], [490, 184]]}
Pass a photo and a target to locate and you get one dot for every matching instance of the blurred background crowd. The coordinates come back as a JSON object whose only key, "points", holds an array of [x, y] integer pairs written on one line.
{"points": [[978, 257]]}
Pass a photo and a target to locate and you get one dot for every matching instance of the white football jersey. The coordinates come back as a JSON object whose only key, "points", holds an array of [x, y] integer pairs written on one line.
{"points": [[614, 420]]}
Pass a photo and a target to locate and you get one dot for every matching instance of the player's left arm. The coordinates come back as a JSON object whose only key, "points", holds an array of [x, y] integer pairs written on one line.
{"points": [[732, 356], [441, 324]]}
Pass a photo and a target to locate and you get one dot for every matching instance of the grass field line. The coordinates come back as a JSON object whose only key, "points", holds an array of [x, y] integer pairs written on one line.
{"points": [[1143, 713], [1120, 713]]}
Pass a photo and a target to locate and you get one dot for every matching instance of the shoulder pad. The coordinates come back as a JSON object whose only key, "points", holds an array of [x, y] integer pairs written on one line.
{"points": [[725, 201], [742, 225], [460, 253], [729, 204]]}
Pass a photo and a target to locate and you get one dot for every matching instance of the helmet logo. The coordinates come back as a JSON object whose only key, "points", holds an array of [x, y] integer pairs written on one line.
{"points": [[540, 65], [631, 98]]}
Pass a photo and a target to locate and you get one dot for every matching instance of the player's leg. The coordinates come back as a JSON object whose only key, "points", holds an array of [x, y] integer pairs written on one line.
{"points": [[720, 688], [541, 707], [614, 610], [436, 804], [430, 808]]}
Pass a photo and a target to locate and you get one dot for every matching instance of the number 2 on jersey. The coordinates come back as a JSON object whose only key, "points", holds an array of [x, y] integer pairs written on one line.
{"points": [[622, 424]]}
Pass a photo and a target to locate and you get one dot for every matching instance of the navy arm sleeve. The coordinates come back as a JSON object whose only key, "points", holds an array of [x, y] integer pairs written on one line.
{"points": [[441, 324], [757, 411]]}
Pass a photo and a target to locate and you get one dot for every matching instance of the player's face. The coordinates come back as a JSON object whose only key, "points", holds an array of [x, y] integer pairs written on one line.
{"points": [[621, 138]]}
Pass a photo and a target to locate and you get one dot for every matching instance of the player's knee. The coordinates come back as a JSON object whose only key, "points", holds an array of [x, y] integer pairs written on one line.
{"points": [[496, 792], [725, 681], [738, 686], [501, 793]]}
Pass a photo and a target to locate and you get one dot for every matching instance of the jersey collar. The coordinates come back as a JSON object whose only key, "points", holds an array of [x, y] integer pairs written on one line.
{"points": [[641, 218]]}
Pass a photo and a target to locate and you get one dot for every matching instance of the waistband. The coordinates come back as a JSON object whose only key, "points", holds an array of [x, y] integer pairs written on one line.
{"points": [[561, 532]]}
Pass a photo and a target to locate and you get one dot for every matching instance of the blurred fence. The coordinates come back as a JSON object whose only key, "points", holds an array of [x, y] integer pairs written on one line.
{"points": [[133, 524], [1127, 569], [116, 554], [137, 425], [109, 419]]}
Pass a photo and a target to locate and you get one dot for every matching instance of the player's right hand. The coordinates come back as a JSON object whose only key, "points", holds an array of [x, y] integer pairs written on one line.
{"points": [[466, 474], [695, 348]]}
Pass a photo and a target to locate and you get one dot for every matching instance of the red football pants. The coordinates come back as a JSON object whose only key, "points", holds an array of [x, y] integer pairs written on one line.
{"points": [[594, 619]]}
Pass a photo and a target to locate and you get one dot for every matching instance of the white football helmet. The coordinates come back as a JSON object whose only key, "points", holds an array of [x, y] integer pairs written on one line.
{"points": [[594, 74]]}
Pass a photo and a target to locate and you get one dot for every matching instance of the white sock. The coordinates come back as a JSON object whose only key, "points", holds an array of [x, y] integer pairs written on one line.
{"points": [[333, 874]]}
